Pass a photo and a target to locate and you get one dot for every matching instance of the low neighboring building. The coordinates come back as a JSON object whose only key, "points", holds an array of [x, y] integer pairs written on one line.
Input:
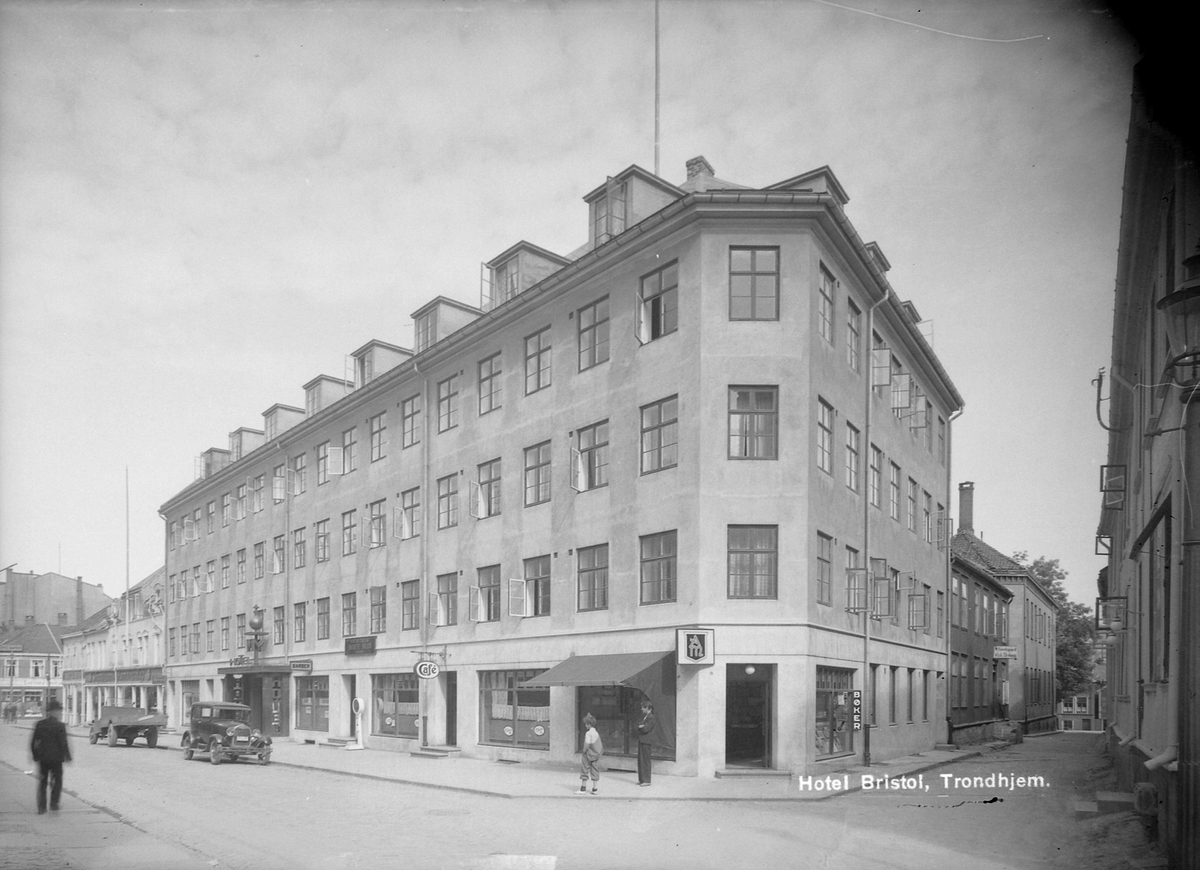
{"points": [[1085, 711], [1019, 685], [116, 657], [30, 599], [32, 668]]}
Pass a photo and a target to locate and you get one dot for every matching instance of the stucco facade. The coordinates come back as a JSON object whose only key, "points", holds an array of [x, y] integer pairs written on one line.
{"points": [[714, 416]]}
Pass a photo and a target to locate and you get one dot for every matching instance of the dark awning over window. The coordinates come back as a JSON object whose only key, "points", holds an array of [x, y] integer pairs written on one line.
{"points": [[618, 669]]}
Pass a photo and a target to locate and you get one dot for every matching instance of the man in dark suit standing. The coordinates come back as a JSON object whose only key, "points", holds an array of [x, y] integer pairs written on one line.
{"points": [[50, 750], [645, 730]]}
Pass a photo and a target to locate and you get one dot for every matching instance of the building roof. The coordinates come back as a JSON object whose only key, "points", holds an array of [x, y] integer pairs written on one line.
{"points": [[969, 548], [38, 639]]}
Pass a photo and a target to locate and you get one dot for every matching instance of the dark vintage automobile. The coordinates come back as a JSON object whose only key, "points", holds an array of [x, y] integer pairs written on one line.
{"points": [[222, 729]]}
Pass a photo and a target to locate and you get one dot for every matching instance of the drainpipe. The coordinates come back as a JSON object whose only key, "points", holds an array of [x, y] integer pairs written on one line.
{"points": [[166, 620], [948, 616], [427, 494], [869, 394], [1190, 563]]}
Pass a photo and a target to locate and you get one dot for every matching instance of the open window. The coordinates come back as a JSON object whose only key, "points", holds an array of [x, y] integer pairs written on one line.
{"points": [[857, 590], [518, 604], [1112, 484], [437, 610], [881, 368], [902, 394], [918, 612], [336, 460], [579, 481], [401, 527], [475, 604]]}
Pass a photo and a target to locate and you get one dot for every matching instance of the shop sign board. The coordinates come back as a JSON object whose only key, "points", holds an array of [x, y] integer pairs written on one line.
{"points": [[360, 646], [695, 646], [1004, 652]]}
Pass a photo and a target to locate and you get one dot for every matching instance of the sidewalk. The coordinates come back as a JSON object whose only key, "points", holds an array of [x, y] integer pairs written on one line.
{"points": [[533, 780]]}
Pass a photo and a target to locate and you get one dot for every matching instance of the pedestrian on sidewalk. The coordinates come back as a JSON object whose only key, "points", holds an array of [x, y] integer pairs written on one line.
{"points": [[645, 730], [593, 749], [50, 750]]}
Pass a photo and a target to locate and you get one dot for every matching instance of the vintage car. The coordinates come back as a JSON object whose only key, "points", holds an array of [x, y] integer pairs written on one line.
{"points": [[222, 729], [128, 724]]}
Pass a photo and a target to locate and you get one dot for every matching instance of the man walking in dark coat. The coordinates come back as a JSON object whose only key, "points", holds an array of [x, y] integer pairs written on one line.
{"points": [[645, 731], [50, 750]]}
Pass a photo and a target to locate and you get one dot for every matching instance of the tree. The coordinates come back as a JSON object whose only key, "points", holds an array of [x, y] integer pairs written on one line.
{"points": [[1075, 633]]}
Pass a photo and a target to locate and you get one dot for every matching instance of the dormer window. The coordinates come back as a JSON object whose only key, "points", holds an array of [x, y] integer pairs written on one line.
{"points": [[312, 401], [609, 211], [271, 424], [506, 281], [426, 330], [364, 369]]}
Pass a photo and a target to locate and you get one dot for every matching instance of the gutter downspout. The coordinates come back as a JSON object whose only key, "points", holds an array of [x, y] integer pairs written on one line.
{"points": [[1189, 563], [869, 383], [948, 616], [166, 618], [426, 628]]}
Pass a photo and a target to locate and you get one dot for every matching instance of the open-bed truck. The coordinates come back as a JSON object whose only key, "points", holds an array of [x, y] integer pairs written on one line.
{"points": [[128, 724]]}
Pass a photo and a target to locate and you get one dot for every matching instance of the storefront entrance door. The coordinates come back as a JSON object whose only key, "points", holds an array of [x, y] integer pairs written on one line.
{"points": [[748, 701]]}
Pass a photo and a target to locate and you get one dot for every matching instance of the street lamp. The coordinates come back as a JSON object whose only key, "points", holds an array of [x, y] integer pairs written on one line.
{"points": [[1182, 309], [254, 637]]}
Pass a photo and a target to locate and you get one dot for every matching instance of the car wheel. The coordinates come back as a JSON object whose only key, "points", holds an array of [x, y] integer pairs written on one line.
{"points": [[214, 751], [151, 737], [93, 737], [264, 757], [187, 748], [112, 735]]}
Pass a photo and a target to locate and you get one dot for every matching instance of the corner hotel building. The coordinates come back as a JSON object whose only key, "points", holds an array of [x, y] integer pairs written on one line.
{"points": [[716, 416]]}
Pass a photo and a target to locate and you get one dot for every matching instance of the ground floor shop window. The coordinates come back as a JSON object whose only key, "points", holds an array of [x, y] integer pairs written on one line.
{"points": [[510, 716], [396, 700], [834, 736], [618, 710], [312, 703]]}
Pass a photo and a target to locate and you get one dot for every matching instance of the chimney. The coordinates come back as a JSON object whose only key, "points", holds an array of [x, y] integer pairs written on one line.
{"points": [[698, 169], [966, 507]]}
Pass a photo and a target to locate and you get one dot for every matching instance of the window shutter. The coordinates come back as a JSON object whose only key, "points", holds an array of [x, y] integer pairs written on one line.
{"points": [[476, 604], [335, 462], [487, 300], [578, 471], [641, 319], [400, 526], [516, 597], [902, 394], [437, 611], [476, 504]]}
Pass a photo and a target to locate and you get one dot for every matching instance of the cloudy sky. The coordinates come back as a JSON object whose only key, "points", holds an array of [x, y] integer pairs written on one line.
{"points": [[205, 205]]}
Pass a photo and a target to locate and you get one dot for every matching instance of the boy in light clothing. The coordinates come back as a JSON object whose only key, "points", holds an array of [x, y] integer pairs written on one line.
{"points": [[593, 748]]}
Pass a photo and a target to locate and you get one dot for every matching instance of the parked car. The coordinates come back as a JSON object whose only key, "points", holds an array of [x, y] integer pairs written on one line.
{"points": [[222, 729], [128, 724]]}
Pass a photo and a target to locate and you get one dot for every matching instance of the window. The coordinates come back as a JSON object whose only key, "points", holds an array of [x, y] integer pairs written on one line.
{"points": [[660, 435], [591, 457], [853, 335], [824, 568], [349, 614], [753, 561], [825, 436], [446, 608], [239, 503], [941, 441], [487, 490], [299, 621], [210, 575], [224, 633], [279, 624], [322, 536], [894, 491], [753, 283], [425, 330], [489, 384], [447, 398], [241, 565], [593, 577], [259, 560], [378, 609], [410, 600], [225, 571], [378, 425], [259, 486], [537, 586], [322, 619], [396, 701], [875, 474], [486, 596], [658, 567], [927, 515], [299, 473], [852, 442], [240, 636], [657, 312], [196, 581], [941, 614], [447, 501], [322, 463], [377, 524], [753, 422], [279, 555], [825, 304], [350, 449], [349, 532], [608, 212], [410, 421], [537, 474], [410, 514], [510, 716], [834, 733], [537, 361], [593, 334], [195, 646], [210, 634], [279, 483], [892, 695], [211, 514], [225, 509], [299, 547]]}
